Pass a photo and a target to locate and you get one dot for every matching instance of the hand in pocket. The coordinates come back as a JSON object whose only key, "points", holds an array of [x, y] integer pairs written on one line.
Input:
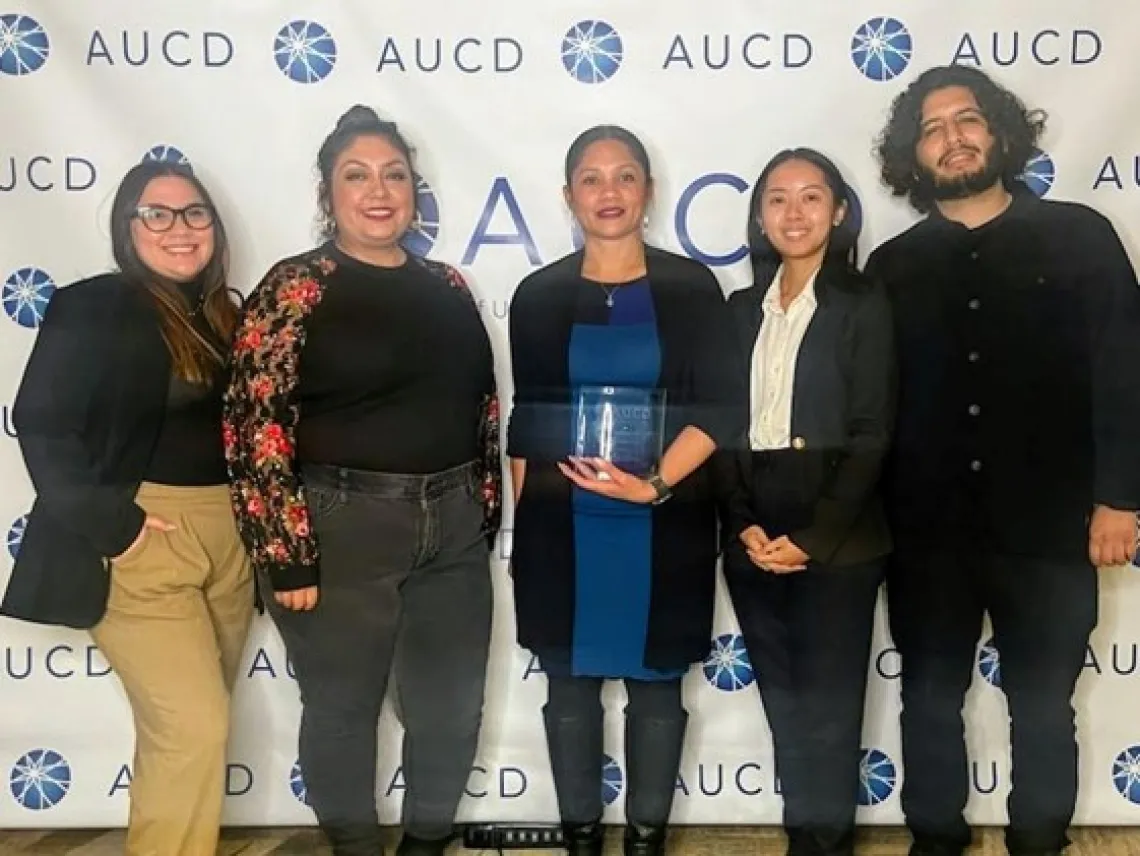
{"points": [[151, 522]]}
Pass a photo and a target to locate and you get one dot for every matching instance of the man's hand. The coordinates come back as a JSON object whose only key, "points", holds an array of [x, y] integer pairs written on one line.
{"points": [[1112, 537]]}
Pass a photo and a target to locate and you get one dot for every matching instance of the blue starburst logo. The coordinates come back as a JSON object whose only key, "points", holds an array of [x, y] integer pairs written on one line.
{"points": [[164, 153], [40, 779], [24, 45], [1040, 173], [26, 295], [304, 51], [16, 536], [420, 238], [1126, 774], [989, 663], [881, 49], [297, 784], [728, 667], [591, 51], [877, 777], [612, 781]]}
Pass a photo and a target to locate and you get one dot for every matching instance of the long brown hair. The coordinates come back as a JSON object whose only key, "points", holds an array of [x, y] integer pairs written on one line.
{"points": [[194, 357]]}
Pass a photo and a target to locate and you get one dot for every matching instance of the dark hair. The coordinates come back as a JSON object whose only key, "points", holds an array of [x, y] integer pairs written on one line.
{"points": [[599, 133], [1015, 129], [194, 358], [357, 121], [841, 244]]}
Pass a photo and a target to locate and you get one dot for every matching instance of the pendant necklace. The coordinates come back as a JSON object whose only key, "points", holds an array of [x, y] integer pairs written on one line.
{"points": [[609, 294]]}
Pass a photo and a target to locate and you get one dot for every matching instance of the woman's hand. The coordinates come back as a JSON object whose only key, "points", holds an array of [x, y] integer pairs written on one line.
{"points": [[151, 522], [602, 477], [780, 556], [299, 600]]}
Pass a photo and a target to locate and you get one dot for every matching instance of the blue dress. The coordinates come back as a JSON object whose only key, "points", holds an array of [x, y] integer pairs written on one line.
{"points": [[613, 538]]}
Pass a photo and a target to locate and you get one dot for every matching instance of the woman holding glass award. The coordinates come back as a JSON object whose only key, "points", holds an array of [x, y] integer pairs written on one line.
{"points": [[623, 392], [805, 536]]}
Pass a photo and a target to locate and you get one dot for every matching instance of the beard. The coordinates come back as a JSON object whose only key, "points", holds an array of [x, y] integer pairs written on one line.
{"points": [[933, 186]]}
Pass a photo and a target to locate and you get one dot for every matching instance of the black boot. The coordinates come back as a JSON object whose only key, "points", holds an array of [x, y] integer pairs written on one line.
{"points": [[355, 839], [653, 755], [412, 846], [644, 840], [583, 839]]}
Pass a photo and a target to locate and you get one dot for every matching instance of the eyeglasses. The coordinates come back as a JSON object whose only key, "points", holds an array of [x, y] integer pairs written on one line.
{"points": [[160, 218]]}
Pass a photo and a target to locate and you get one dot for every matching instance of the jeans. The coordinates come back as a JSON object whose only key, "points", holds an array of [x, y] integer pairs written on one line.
{"points": [[405, 583], [1043, 613]]}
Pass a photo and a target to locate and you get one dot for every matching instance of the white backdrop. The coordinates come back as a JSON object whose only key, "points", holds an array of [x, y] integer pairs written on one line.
{"points": [[491, 95]]}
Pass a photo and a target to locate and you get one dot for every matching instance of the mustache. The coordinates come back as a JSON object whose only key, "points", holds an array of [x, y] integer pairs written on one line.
{"points": [[959, 150]]}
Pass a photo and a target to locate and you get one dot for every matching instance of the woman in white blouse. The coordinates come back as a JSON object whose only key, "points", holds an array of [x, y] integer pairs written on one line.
{"points": [[805, 538]]}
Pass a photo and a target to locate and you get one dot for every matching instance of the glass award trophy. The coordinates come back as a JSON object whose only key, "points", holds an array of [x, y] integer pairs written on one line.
{"points": [[624, 425]]}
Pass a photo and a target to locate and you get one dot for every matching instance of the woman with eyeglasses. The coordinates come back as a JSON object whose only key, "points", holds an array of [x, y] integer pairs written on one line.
{"points": [[119, 418]]}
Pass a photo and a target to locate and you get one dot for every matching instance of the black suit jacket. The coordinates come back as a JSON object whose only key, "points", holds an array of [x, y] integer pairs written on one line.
{"points": [[842, 412], [87, 416]]}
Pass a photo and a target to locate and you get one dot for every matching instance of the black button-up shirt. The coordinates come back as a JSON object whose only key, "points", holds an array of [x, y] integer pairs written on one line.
{"points": [[1019, 385]]}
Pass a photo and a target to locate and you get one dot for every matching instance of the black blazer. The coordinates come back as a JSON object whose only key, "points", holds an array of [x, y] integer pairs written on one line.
{"points": [[87, 415], [842, 413], [695, 332]]}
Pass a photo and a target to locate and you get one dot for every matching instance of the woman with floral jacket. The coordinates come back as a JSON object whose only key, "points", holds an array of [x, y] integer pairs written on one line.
{"points": [[362, 437]]}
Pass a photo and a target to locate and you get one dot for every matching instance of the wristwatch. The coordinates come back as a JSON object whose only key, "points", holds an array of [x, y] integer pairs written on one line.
{"points": [[658, 484]]}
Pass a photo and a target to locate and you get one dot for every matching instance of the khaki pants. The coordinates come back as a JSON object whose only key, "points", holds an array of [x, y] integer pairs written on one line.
{"points": [[174, 632]]}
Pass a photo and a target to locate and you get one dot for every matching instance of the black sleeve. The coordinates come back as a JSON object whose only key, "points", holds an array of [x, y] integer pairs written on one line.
{"points": [[72, 353], [1113, 299], [731, 463], [719, 398], [527, 425], [871, 385]]}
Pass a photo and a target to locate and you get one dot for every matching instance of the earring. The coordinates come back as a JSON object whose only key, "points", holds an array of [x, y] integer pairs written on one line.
{"points": [[645, 222]]}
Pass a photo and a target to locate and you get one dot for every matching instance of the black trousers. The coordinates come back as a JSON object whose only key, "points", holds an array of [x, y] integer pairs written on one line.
{"points": [[405, 587], [808, 636], [1043, 613], [655, 723]]}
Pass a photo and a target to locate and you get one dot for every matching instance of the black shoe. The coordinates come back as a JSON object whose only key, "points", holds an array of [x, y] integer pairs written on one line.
{"points": [[412, 846], [644, 840], [583, 839], [800, 843], [936, 850], [355, 840]]}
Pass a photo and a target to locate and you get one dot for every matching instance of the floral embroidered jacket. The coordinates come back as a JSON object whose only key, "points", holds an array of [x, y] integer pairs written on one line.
{"points": [[261, 415]]}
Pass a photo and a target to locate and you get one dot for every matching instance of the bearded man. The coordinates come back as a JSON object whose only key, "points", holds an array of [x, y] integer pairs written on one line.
{"points": [[1015, 472]]}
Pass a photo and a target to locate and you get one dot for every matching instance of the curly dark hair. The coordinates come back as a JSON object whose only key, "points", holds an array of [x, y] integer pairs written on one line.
{"points": [[1015, 128]]}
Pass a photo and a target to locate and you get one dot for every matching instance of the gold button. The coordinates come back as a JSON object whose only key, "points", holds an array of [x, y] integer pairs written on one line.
{"points": [[799, 443]]}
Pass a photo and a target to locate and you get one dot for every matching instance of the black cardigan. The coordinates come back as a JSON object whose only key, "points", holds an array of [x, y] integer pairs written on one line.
{"points": [[87, 415], [843, 401], [694, 329]]}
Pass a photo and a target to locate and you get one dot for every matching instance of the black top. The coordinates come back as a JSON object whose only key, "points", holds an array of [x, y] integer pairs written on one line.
{"points": [[695, 333], [189, 448], [1019, 400], [87, 415], [395, 366], [842, 416]]}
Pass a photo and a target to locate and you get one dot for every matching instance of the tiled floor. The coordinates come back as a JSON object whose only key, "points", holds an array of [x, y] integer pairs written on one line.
{"points": [[685, 841]]}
